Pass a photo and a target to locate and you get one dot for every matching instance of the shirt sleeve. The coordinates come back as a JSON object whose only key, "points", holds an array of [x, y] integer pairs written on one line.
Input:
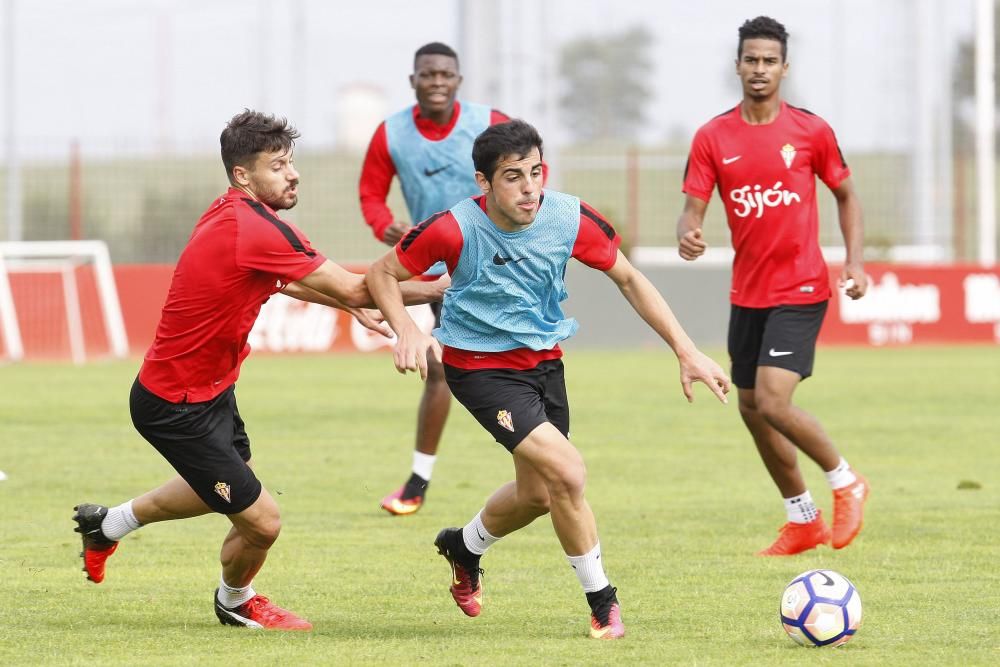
{"points": [[828, 161], [376, 179], [438, 238], [497, 117], [268, 244], [597, 242], [699, 173]]}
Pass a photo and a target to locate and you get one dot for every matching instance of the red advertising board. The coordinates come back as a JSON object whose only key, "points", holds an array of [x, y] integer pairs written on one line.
{"points": [[905, 304], [915, 304]]}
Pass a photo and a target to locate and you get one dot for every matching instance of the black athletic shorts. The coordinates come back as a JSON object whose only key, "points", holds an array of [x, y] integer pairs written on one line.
{"points": [[206, 443], [782, 336], [510, 404]]}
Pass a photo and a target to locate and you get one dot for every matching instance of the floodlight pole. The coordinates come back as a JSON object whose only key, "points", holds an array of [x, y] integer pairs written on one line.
{"points": [[14, 222], [986, 131]]}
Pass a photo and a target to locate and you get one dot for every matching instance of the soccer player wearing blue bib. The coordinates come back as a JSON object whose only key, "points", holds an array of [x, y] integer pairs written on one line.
{"points": [[428, 147], [501, 326]]}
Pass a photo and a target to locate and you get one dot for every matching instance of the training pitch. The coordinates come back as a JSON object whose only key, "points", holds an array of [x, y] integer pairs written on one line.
{"points": [[681, 498]]}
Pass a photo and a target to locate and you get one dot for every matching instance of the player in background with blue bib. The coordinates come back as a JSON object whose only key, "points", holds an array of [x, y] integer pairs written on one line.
{"points": [[501, 326], [429, 148]]}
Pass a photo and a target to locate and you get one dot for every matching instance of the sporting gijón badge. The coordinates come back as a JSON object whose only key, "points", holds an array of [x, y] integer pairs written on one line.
{"points": [[506, 420], [223, 490]]}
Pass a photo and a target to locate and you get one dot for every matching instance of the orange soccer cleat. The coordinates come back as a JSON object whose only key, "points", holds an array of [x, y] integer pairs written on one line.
{"points": [[259, 613], [795, 538], [395, 504], [466, 587], [848, 511], [96, 547], [612, 628]]}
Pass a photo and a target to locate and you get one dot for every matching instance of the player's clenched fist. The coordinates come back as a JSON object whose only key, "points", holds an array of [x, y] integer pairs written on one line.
{"points": [[691, 245]]}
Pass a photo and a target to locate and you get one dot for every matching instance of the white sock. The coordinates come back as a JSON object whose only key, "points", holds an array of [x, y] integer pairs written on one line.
{"points": [[841, 476], [590, 570], [230, 597], [423, 464], [801, 509], [477, 538], [119, 522]]}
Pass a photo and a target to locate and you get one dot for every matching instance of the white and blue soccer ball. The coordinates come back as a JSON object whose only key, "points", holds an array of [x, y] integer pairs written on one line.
{"points": [[820, 608]]}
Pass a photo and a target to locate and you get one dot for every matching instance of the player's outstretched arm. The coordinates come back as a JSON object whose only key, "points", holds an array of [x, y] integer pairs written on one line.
{"points": [[852, 227], [384, 281], [351, 290], [369, 318], [690, 245], [653, 309]]}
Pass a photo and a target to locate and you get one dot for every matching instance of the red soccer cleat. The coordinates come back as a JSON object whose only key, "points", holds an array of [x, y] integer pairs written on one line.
{"points": [[848, 511], [613, 629], [395, 504], [259, 613], [96, 547], [795, 538], [466, 587]]}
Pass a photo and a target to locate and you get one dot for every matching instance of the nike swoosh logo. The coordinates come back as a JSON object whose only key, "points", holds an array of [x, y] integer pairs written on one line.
{"points": [[500, 261], [480, 534], [730, 160], [772, 353], [599, 634], [431, 172]]}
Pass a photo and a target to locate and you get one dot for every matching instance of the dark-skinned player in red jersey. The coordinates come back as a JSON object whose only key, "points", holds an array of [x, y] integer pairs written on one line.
{"points": [[428, 147], [183, 401], [764, 156]]}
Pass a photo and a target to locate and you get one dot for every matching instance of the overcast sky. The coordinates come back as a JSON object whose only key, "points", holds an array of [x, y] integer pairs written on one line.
{"points": [[143, 73]]}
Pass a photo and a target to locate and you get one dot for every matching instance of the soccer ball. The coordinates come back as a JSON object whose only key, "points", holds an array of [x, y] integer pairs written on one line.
{"points": [[820, 608]]}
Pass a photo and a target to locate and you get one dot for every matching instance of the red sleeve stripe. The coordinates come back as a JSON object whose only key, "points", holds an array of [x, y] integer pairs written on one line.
{"points": [[412, 235], [608, 230], [282, 227]]}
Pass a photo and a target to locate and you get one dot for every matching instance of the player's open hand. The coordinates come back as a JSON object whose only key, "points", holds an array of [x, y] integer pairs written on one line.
{"points": [[853, 277], [691, 245], [700, 368], [371, 319], [412, 348]]}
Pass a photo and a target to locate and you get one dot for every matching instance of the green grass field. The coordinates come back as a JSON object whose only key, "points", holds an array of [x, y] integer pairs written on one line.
{"points": [[681, 499]]}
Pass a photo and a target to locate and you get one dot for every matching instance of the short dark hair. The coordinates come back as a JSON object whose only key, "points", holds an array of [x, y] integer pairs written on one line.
{"points": [[514, 137], [251, 132], [434, 49], [763, 27]]}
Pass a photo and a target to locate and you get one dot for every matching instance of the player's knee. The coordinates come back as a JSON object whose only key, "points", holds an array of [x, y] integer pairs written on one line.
{"points": [[771, 406], [569, 481], [264, 531]]}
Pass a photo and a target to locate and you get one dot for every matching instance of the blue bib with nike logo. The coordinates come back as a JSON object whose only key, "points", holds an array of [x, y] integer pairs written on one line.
{"points": [[507, 286], [435, 175]]}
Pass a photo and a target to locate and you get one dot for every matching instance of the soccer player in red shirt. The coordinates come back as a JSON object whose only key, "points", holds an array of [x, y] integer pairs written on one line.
{"points": [[764, 156], [183, 401], [428, 147], [501, 325]]}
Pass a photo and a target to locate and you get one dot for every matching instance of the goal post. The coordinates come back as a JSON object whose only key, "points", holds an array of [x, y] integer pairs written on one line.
{"points": [[62, 258]]}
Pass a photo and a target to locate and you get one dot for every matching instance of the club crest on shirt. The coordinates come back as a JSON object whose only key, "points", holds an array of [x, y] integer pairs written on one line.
{"points": [[223, 490], [506, 420], [788, 154]]}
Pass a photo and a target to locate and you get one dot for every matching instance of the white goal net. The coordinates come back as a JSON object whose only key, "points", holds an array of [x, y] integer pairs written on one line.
{"points": [[58, 300]]}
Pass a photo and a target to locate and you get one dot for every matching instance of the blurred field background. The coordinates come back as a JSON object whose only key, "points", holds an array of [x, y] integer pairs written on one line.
{"points": [[681, 499], [617, 91], [145, 208]]}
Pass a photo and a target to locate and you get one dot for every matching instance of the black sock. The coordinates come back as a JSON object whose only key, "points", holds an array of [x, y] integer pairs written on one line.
{"points": [[600, 603], [415, 486]]}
